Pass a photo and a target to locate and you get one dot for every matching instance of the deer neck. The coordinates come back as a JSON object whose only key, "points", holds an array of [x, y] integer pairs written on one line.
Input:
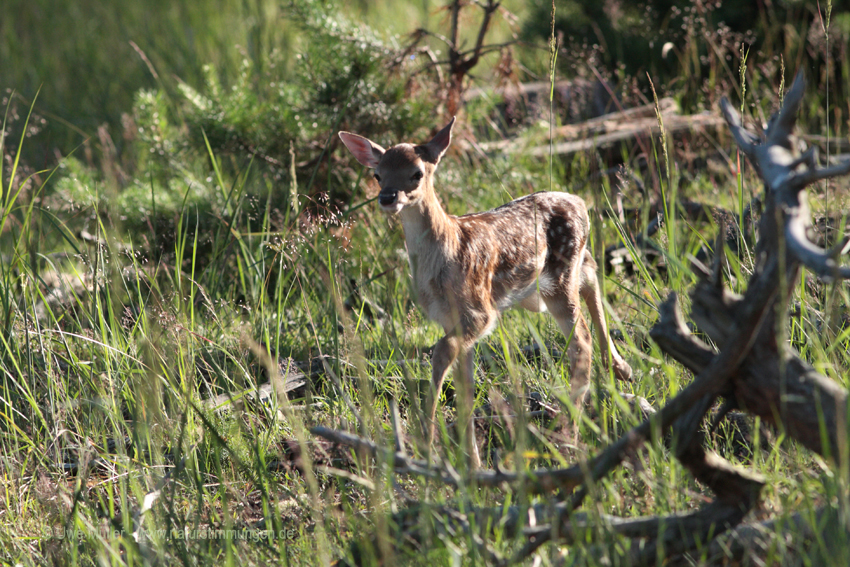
{"points": [[428, 229]]}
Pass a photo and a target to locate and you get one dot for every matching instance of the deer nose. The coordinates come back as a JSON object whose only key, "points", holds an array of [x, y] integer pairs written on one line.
{"points": [[387, 198]]}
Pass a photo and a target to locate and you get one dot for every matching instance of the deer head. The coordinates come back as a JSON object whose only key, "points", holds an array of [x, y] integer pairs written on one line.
{"points": [[405, 172]]}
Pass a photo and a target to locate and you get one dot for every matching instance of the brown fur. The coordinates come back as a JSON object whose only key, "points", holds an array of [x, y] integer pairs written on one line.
{"points": [[466, 270]]}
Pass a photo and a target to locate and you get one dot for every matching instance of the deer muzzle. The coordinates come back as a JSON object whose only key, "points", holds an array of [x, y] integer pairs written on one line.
{"points": [[388, 199]]}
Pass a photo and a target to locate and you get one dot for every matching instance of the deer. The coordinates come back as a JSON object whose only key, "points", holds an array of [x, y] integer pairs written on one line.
{"points": [[466, 270]]}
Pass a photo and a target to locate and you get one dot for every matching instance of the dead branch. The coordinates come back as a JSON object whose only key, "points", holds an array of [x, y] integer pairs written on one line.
{"points": [[822, 262], [674, 338], [460, 62], [756, 540], [546, 522], [535, 482], [773, 382]]}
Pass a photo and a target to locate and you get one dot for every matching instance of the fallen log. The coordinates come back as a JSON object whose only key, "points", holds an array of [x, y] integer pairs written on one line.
{"points": [[609, 130]]}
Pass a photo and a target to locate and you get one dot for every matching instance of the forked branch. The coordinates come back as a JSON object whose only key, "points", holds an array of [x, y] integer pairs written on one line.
{"points": [[460, 61], [786, 174]]}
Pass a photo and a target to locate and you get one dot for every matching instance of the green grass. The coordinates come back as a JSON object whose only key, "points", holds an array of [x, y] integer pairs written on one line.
{"points": [[140, 341], [125, 306]]}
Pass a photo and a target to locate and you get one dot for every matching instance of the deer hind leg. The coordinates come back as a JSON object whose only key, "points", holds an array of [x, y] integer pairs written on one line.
{"points": [[590, 293], [566, 310]]}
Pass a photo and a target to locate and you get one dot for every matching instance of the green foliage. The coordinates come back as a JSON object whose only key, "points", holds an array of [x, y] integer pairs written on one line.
{"points": [[256, 117], [252, 125], [159, 177], [78, 185], [365, 86]]}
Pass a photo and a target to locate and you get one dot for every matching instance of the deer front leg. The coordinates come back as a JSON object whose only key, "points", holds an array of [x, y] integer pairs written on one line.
{"points": [[465, 406], [446, 351]]}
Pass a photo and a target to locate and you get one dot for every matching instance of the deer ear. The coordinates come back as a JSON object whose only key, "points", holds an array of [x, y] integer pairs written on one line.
{"points": [[366, 151], [440, 143]]}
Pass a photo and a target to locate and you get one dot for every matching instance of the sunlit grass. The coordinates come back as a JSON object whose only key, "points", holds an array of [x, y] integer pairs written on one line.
{"points": [[106, 435]]}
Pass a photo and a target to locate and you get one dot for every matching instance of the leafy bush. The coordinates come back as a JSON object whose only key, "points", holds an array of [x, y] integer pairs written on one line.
{"points": [[344, 78]]}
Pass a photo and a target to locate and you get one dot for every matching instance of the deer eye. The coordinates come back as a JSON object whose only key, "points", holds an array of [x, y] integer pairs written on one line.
{"points": [[377, 178], [416, 176]]}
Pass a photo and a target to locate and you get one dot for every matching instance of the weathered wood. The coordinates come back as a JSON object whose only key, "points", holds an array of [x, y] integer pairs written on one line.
{"points": [[757, 540], [545, 522], [773, 382], [265, 394], [608, 130], [535, 482]]}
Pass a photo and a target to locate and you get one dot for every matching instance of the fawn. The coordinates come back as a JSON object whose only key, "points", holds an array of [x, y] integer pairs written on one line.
{"points": [[468, 269]]}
